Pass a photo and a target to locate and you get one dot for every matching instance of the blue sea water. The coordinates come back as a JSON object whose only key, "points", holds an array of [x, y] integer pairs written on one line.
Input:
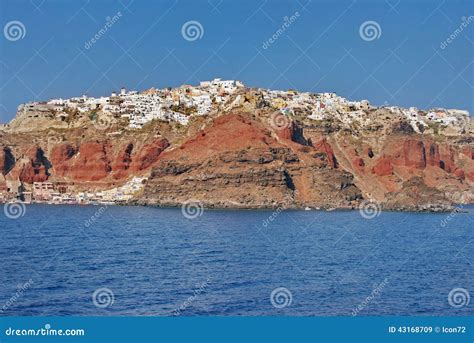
{"points": [[151, 261]]}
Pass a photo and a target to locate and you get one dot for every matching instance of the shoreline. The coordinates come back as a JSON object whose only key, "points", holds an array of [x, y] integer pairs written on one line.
{"points": [[428, 208]]}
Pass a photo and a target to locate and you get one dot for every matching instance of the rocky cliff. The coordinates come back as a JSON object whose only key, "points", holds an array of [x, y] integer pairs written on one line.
{"points": [[250, 157]]}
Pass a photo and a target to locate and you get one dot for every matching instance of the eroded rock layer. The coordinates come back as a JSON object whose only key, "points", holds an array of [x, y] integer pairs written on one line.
{"points": [[240, 159]]}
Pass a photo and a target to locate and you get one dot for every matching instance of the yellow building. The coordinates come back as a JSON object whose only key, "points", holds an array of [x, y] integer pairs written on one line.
{"points": [[279, 103]]}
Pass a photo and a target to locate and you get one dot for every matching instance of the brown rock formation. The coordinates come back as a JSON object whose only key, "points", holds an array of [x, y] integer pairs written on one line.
{"points": [[413, 154], [237, 163], [37, 167], [60, 155], [468, 152], [91, 162], [241, 160], [148, 155], [432, 156], [122, 162], [447, 159], [324, 147], [383, 167]]}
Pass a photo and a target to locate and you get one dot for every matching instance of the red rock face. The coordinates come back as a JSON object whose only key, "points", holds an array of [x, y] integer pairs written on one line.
{"points": [[91, 163], [122, 162], [468, 152], [447, 159], [414, 154], [30, 174], [383, 167], [62, 153], [406, 152], [238, 161], [242, 150], [227, 133], [470, 176], [37, 169], [59, 156], [459, 173], [324, 147], [148, 155], [96, 161], [358, 163], [287, 131], [292, 132], [432, 155]]}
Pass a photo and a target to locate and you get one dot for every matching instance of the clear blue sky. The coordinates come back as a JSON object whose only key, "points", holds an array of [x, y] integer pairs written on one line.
{"points": [[321, 50]]}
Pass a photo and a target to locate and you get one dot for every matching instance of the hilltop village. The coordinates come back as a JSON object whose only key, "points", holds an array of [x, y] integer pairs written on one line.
{"points": [[133, 111], [211, 97]]}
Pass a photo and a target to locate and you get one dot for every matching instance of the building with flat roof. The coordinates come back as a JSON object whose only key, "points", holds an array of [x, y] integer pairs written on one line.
{"points": [[43, 191]]}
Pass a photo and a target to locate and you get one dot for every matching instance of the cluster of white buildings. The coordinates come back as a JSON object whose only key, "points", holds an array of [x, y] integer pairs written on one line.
{"points": [[321, 106], [48, 192], [448, 117], [82, 104], [118, 194], [176, 104], [418, 118], [143, 108], [180, 104], [318, 106]]}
